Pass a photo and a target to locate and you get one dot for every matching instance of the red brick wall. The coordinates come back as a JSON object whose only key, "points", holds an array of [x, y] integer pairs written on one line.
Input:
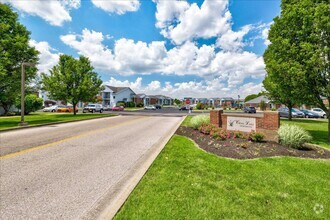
{"points": [[266, 124]]}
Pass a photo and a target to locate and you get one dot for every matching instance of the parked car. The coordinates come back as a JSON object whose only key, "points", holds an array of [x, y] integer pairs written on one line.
{"points": [[319, 112], [284, 112], [117, 108], [64, 108], [52, 108], [185, 107], [158, 106], [107, 108], [150, 107], [309, 114], [93, 108], [250, 109]]}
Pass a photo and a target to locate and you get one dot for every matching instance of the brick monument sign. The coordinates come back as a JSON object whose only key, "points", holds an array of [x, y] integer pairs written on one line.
{"points": [[266, 123]]}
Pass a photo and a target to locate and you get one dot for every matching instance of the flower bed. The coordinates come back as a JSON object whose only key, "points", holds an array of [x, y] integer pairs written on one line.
{"points": [[238, 146]]}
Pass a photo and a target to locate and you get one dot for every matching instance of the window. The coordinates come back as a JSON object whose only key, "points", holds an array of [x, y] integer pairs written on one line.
{"points": [[114, 97]]}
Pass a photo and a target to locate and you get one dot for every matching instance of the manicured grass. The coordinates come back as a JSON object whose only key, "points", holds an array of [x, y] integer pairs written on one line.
{"points": [[187, 120], [185, 182], [317, 128], [45, 118], [132, 109]]}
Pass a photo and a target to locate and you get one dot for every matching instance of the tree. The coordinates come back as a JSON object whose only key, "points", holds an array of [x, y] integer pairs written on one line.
{"points": [[285, 81], [177, 102], [14, 50], [31, 103], [250, 97], [297, 61], [263, 105], [72, 80]]}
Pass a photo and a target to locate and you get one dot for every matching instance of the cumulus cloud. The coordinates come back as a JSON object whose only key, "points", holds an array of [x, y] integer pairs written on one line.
{"points": [[129, 57], [202, 89], [54, 12], [90, 44], [231, 40], [117, 6], [181, 21], [48, 57]]}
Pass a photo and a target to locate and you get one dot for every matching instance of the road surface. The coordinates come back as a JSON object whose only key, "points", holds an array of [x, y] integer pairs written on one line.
{"points": [[65, 171]]}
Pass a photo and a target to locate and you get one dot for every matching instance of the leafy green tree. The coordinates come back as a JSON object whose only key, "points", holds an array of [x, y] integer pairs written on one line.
{"points": [[263, 105], [14, 50], [72, 80], [250, 97], [297, 61], [31, 103], [177, 102]]}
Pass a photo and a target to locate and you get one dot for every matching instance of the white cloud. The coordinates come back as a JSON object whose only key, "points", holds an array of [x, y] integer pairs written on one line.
{"points": [[265, 36], [182, 22], [117, 6], [48, 57], [129, 58], [139, 57], [90, 44], [202, 89], [54, 12], [231, 40]]}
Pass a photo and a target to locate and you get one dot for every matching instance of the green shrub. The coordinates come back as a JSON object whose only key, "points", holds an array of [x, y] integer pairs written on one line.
{"points": [[256, 137], [120, 104], [238, 134], [263, 105], [273, 109], [31, 103], [199, 106], [10, 114], [198, 120], [293, 136], [206, 128], [140, 105]]}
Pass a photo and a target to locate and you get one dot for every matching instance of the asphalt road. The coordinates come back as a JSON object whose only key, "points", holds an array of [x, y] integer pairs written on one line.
{"points": [[65, 171]]}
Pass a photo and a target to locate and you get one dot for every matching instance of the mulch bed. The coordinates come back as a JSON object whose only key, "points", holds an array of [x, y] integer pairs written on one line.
{"points": [[243, 149]]}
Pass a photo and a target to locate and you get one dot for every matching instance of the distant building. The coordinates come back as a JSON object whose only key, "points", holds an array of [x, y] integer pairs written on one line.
{"points": [[111, 95], [256, 103], [152, 99]]}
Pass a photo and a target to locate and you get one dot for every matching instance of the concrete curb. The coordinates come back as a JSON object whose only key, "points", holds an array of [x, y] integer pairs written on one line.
{"points": [[54, 123], [118, 194]]}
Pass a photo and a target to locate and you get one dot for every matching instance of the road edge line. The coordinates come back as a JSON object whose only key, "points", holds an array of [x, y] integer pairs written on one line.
{"points": [[121, 191]]}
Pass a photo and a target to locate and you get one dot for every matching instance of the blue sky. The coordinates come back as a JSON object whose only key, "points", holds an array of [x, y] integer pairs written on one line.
{"points": [[178, 48]]}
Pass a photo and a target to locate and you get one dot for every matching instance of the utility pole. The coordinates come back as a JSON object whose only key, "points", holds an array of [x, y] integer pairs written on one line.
{"points": [[23, 123]]}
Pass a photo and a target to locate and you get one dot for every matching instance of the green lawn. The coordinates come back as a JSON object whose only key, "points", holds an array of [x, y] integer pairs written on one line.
{"points": [[317, 128], [185, 182], [45, 118]]}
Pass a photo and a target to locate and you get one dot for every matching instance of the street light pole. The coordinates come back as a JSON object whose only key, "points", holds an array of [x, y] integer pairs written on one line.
{"points": [[23, 123]]}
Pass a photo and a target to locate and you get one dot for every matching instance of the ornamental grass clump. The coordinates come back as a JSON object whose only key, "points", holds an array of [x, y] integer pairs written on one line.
{"points": [[293, 136], [198, 120]]}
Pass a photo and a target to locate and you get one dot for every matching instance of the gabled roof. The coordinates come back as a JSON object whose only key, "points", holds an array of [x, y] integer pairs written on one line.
{"points": [[258, 100], [119, 89]]}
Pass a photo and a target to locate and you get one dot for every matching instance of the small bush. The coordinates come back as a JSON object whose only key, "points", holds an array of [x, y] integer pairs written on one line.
{"points": [[238, 134], [219, 133], [140, 105], [206, 128], [273, 109], [198, 120], [199, 106], [10, 114], [256, 137], [293, 136]]}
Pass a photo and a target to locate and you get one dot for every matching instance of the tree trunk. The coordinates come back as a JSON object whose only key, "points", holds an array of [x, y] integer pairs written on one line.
{"points": [[290, 112], [6, 108], [74, 108], [328, 117]]}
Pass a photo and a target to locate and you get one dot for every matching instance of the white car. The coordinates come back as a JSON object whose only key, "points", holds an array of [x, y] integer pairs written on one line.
{"points": [[150, 107], [52, 108], [319, 112]]}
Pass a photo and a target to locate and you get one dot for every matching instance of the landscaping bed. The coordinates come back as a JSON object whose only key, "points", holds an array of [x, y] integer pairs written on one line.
{"points": [[240, 148]]}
